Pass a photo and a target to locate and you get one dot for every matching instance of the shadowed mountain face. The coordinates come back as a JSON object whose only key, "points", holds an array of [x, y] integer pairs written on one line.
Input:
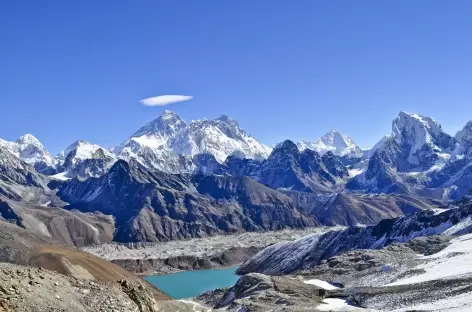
{"points": [[352, 209], [153, 205]]}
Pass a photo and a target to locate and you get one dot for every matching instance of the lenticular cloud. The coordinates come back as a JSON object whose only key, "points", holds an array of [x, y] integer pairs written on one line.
{"points": [[163, 100]]}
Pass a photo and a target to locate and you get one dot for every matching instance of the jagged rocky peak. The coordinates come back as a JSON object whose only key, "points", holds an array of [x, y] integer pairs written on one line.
{"points": [[333, 141], [419, 134]]}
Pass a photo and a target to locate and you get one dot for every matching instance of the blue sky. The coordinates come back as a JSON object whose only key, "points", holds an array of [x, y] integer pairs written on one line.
{"points": [[284, 69]]}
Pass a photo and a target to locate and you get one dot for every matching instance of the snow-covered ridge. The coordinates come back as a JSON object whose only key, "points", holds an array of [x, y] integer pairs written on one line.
{"points": [[333, 141], [169, 136], [81, 150]]}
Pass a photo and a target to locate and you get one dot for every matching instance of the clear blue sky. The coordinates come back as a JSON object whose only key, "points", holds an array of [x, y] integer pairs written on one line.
{"points": [[284, 69]]}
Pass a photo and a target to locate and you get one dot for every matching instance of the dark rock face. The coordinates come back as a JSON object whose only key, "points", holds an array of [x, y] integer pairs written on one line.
{"points": [[153, 206], [334, 165], [286, 168], [243, 167], [307, 171]]}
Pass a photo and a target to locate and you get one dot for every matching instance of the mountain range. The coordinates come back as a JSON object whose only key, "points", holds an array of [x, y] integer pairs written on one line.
{"points": [[172, 179]]}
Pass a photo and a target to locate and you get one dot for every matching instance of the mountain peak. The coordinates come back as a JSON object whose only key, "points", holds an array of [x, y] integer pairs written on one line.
{"points": [[416, 130], [166, 125], [287, 145], [168, 114], [28, 139], [228, 120], [333, 141]]}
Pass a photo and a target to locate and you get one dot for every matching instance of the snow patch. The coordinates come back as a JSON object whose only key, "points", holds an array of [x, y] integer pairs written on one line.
{"points": [[336, 304], [321, 284]]}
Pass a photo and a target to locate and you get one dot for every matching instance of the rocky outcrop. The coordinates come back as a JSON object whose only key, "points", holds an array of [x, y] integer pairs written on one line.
{"points": [[258, 292]]}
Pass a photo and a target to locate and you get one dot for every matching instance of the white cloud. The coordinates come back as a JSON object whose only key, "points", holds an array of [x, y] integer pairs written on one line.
{"points": [[163, 100]]}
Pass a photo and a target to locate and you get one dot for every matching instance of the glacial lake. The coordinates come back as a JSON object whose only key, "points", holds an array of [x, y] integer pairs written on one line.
{"points": [[189, 284]]}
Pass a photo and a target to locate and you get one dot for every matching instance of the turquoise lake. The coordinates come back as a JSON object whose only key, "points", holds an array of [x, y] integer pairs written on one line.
{"points": [[193, 283]]}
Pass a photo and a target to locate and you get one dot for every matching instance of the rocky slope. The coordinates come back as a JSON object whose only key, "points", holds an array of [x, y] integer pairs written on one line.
{"points": [[425, 274], [38, 273], [27, 289], [68, 227], [153, 205], [309, 251], [420, 262], [22, 247]]}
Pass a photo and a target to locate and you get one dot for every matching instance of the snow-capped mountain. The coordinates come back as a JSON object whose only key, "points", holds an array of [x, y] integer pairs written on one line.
{"points": [[221, 137], [333, 141], [288, 168], [83, 159], [169, 144], [418, 157], [30, 150], [422, 138]]}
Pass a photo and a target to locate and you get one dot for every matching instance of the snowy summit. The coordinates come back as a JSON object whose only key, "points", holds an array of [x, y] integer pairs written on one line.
{"points": [[333, 141]]}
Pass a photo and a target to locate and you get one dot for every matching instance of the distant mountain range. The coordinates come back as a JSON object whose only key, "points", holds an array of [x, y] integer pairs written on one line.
{"points": [[173, 179]]}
